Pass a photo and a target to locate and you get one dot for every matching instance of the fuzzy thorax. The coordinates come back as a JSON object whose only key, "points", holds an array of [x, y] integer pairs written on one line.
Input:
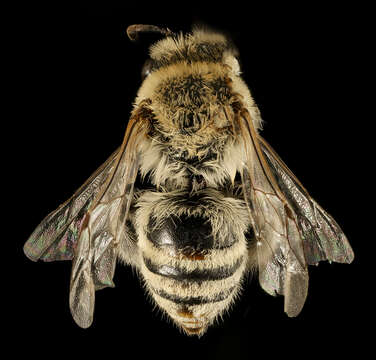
{"points": [[196, 93], [194, 120]]}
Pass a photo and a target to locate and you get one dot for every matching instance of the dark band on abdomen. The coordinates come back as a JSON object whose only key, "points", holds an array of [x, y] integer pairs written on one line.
{"points": [[197, 275], [186, 234], [197, 300]]}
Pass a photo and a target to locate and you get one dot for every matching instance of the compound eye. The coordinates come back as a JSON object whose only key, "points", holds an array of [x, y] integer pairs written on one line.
{"points": [[146, 69]]}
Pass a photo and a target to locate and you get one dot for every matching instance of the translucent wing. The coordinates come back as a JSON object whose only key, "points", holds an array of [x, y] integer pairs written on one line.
{"points": [[322, 237], [95, 258], [56, 236], [281, 223], [91, 223]]}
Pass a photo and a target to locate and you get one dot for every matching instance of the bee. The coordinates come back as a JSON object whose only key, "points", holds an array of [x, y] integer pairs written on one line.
{"points": [[194, 198]]}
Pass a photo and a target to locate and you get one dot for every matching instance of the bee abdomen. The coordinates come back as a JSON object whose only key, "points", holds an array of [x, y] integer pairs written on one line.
{"points": [[193, 254]]}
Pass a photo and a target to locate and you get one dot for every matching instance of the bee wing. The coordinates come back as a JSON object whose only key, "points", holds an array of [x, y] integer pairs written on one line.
{"points": [[323, 239], [281, 259], [56, 236], [88, 226], [95, 257]]}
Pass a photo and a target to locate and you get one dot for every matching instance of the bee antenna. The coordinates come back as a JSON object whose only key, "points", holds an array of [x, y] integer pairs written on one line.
{"points": [[134, 30]]}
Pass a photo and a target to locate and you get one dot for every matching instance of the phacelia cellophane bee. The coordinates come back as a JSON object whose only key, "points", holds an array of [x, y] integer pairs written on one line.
{"points": [[194, 198]]}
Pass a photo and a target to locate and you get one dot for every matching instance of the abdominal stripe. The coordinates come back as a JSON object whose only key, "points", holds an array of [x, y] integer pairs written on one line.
{"points": [[197, 275], [194, 300]]}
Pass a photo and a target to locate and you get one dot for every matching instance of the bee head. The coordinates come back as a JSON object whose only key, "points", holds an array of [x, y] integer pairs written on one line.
{"points": [[201, 45]]}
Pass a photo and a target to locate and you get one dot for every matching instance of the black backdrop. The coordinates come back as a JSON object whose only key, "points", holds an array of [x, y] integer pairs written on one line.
{"points": [[79, 76]]}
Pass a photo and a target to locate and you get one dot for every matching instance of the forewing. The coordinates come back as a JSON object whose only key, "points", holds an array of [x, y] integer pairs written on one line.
{"points": [[281, 260], [56, 236], [322, 237], [94, 262]]}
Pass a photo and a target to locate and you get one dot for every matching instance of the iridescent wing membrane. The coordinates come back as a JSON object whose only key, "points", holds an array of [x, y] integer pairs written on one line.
{"points": [[292, 230], [88, 227], [56, 236]]}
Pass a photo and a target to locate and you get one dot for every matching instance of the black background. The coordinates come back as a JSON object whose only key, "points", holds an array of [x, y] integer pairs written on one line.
{"points": [[79, 74]]}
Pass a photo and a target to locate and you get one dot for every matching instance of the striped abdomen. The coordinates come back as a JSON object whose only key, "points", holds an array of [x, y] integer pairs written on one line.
{"points": [[191, 274]]}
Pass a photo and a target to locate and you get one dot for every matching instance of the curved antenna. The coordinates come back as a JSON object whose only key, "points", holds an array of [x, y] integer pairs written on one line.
{"points": [[134, 30]]}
